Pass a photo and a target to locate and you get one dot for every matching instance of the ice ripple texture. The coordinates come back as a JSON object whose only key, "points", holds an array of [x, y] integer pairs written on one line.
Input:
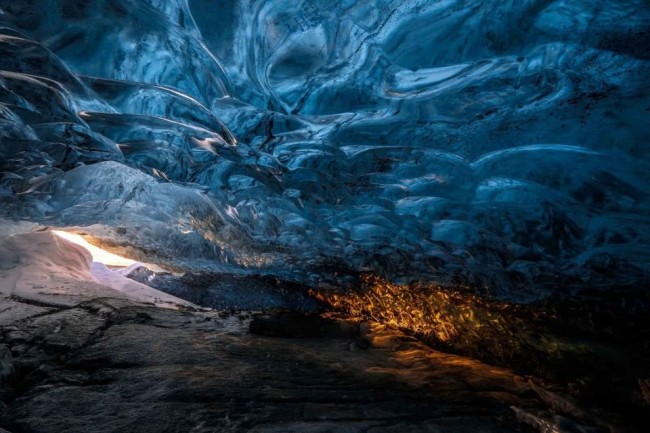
{"points": [[500, 145]]}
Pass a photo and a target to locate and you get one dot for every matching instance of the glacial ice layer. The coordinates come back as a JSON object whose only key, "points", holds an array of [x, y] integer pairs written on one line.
{"points": [[500, 145]]}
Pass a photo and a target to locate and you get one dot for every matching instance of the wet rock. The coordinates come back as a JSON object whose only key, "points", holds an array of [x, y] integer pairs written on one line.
{"points": [[292, 324], [6, 367], [227, 291], [592, 346], [175, 371], [12, 311], [65, 330]]}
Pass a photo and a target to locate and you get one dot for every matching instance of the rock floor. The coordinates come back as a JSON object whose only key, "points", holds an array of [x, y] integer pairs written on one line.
{"points": [[110, 365]]}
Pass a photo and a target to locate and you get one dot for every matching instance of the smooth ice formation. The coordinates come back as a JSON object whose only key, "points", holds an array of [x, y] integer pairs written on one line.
{"points": [[499, 145], [45, 269]]}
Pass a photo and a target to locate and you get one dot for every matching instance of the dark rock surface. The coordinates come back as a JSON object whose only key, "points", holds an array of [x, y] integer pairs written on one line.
{"points": [[291, 324], [227, 291], [594, 347], [111, 365]]}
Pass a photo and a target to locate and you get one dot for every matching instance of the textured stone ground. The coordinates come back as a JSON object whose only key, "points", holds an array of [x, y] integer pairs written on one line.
{"points": [[109, 365], [78, 355]]}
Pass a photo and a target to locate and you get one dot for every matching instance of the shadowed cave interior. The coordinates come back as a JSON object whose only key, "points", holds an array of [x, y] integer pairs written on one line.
{"points": [[324, 216]]}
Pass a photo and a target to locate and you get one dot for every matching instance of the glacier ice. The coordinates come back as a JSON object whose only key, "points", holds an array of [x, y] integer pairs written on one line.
{"points": [[500, 145]]}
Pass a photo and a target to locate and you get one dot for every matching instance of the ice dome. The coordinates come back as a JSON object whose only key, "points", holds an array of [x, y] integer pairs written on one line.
{"points": [[499, 145]]}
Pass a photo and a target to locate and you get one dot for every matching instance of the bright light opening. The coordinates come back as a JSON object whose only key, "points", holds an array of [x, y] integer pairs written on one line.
{"points": [[99, 255]]}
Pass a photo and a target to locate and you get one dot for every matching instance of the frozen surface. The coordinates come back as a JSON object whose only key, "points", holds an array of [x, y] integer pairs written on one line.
{"points": [[43, 269], [496, 144]]}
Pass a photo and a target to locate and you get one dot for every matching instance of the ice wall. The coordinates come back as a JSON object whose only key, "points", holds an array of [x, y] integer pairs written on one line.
{"points": [[501, 145]]}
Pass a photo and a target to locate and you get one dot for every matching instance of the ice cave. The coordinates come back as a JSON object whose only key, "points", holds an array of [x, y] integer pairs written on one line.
{"points": [[376, 216]]}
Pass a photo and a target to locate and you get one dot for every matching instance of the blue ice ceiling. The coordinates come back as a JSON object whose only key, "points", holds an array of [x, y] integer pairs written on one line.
{"points": [[498, 145]]}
